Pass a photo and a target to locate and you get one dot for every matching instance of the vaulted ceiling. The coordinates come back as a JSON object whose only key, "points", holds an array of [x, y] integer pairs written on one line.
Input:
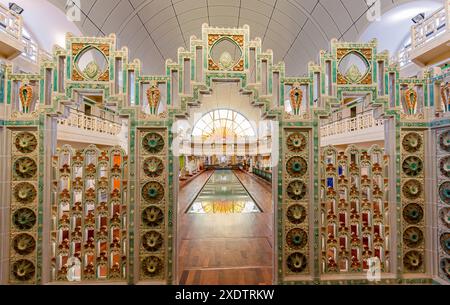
{"points": [[296, 30]]}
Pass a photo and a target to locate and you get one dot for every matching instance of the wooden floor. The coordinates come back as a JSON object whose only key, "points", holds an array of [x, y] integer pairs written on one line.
{"points": [[221, 249]]}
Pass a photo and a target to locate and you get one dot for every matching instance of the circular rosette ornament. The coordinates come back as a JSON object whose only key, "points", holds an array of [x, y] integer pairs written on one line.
{"points": [[23, 270], [413, 260], [444, 141], [296, 190], [24, 244], [412, 166], [296, 214], [153, 143], [24, 192], [24, 219], [444, 166], [25, 142], [152, 216], [151, 266], [413, 213], [296, 238], [445, 242], [152, 241], [445, 216], [412, 237], [445, 267], [25, 168], [153, 167], [412, 189], [444, 192], [296, 167], [296, 142], [153, 192], [296, 262], [412, 142]]}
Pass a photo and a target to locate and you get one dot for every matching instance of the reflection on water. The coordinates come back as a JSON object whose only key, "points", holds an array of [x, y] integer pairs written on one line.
{"points": [[223, 193]]}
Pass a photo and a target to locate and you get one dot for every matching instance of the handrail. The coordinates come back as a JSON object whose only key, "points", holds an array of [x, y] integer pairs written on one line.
{"points": [[431, 27], [360, 122], [10, 22], [426, 30], [93, 123]]}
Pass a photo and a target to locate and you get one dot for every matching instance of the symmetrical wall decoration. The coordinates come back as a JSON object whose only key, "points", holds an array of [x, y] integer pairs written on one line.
{"points": [[443, 201], [89, 215], [296, 201], [354, 210], [413, 200], [114, 214], [153, 207], [24, 206]]}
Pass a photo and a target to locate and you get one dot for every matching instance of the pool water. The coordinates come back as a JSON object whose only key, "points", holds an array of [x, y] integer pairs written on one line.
{"points": [[223, 193]]}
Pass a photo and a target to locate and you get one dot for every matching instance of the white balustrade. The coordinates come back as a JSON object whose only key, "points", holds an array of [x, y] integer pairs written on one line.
{"points": [[360, 122], [92, 123], [431, 27], [10, 22]]}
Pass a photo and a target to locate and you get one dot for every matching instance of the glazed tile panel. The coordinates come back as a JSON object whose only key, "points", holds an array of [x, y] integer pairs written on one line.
{"points": [[354, 210], [296, 203], [24, 207], [412, 178], [443, 197], [153, 204], [89, 215]]}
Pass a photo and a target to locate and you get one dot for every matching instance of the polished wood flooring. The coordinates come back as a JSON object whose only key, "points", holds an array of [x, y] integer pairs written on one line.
{"points": [[221, 249]]}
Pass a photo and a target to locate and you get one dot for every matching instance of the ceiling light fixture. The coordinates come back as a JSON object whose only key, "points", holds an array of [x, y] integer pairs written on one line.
{"points": [[418, 18], [15, 8]]}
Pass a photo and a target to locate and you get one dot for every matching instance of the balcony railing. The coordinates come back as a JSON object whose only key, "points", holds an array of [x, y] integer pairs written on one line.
{"points": [[10, 22], [92, 123], [360, 122], [431, 27]]}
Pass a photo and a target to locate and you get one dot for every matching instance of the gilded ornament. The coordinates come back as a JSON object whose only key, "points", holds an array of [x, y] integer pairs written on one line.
{"points": [[297, 262], [153, 167], [25, 168], [151, 266], [411, 100], [153, 143], [296, 190], [413, 213], [413, 260], [23, 270], [152, 216], [25, 96], [24, 244], [153, 97], [296, 97], [296, 238], [296, 142], [412, 142], [152, 241], [296, 214], [153, 192], [24, 192]]}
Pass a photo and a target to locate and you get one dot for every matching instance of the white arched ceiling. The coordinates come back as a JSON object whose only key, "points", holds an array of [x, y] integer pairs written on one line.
{"points": [[296, 30], [394, 26], [46, 23]]}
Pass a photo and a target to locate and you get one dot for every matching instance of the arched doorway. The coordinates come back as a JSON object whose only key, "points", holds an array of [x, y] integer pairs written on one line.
{"points": [[225, 209]]}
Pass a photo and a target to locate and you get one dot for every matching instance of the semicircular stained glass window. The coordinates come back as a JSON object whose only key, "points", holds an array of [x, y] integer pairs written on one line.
{"points": [[223, 123]]}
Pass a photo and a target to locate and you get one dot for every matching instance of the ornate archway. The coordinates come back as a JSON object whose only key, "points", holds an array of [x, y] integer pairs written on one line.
{"points": [[139, 244]]}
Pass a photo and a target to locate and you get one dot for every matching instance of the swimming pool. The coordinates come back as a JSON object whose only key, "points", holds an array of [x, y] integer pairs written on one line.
{"points": [[223, 193]]}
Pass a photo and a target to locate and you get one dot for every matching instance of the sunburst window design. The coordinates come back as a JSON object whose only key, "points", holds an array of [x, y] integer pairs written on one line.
{"points": [[223, 124]]}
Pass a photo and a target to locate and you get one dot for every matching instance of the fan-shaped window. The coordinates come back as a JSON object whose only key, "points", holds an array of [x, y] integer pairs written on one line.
{"points": [[223, 124]]}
